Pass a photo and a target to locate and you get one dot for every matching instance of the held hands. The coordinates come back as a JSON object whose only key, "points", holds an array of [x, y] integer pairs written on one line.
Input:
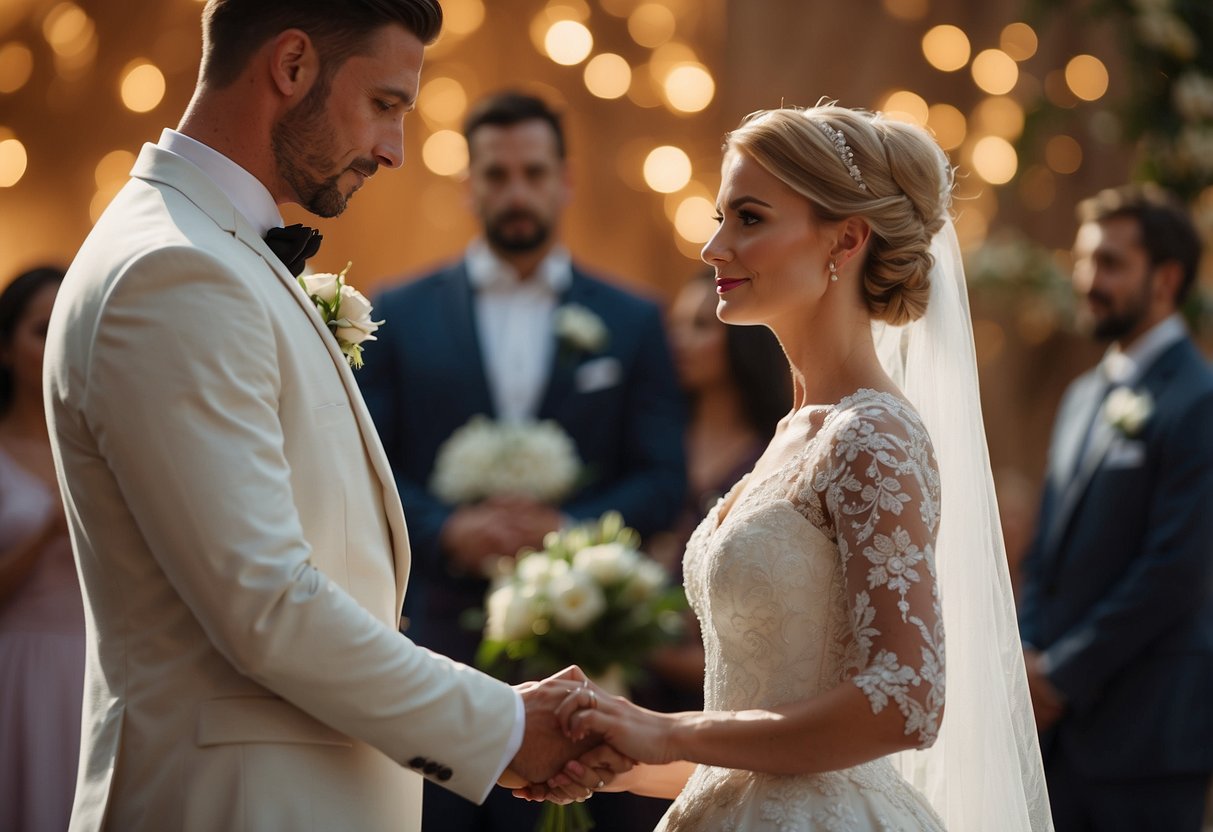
{"points": [[637, 733], [546, 747]]}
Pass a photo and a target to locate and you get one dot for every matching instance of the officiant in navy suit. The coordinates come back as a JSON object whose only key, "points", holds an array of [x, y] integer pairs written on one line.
{"points": [[1117, 605], [516, 331]]}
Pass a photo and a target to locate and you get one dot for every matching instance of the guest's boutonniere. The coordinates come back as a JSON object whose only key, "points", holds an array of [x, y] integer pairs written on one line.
{"points": [[346, 311], [1128, 411], [579, 329]]}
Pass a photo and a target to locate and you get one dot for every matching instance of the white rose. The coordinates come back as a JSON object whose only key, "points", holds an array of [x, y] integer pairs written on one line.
{"points": [[1128, 411], [1192, 95], [576, 600], [537, 571], [580, 327], [513, 612], [354, 324], [324, 286], [608, 563], [463, 460], [649, 577]]}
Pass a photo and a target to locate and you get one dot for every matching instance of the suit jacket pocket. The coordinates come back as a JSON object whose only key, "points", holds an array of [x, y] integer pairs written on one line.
{"points": [[248, 719], [330, 413], [1125, 453], [598, 374]]}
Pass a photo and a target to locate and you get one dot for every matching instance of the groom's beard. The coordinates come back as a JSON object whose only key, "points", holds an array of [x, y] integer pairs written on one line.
{"points": [[504, 238], [303, 146], [1116, 323]]}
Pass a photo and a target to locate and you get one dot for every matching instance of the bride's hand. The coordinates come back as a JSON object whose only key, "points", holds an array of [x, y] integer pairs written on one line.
{"points": [[640, 734], [597, 770]]}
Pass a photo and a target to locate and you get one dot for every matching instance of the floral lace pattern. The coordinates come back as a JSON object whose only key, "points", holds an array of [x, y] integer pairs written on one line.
{"points": [[822, 574]]}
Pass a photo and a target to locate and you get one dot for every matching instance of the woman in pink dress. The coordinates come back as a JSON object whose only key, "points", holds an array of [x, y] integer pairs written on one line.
{"points": [[41, 614]]}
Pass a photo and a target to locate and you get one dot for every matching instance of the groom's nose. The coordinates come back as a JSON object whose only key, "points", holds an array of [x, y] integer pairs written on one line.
{"points": [[389, 150]]}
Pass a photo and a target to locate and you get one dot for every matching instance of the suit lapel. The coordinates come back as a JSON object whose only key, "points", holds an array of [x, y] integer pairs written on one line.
{"points": [[562, 370], [157, 165], [459, 311]]}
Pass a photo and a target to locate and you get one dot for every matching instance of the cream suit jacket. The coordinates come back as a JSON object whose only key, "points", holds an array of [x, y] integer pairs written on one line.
{"points": [[241, 545]]}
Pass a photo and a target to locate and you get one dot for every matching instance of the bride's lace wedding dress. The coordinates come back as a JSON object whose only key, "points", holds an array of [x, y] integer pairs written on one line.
{"points": [[823, 573]]}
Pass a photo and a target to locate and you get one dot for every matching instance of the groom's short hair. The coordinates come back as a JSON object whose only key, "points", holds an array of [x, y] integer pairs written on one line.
{"points": [[1167, 231], [232, 30]]}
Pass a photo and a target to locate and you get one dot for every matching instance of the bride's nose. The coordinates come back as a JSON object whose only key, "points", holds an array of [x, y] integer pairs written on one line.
{"points": [[715, 250]]}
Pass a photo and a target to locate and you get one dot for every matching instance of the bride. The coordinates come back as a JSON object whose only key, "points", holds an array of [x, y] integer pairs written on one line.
{"points": [[826, 579]]}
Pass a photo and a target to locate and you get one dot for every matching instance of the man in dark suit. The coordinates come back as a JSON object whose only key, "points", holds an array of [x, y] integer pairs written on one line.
{"points": [[1117, 606], [496, 334]]}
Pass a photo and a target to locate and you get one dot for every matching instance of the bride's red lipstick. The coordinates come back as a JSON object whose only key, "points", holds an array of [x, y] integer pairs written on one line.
{"points": [[725, 284]]}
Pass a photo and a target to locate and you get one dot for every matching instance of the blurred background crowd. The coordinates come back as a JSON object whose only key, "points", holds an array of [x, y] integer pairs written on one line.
{"points": [[1039, 104]]}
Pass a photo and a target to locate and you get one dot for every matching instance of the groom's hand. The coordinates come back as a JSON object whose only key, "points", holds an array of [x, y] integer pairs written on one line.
{"points": [[545, 748]]}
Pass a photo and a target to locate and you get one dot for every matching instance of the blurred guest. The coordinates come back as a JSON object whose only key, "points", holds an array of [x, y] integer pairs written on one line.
{"points": [[1117, 603], [41, 614], [483, 337], [737, 383]]}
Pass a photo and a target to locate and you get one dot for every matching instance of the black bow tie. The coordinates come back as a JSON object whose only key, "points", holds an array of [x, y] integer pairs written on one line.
{"points": [[293, 245]]}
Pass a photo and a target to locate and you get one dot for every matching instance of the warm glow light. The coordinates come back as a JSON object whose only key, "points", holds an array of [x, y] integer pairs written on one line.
{"points": [[949, 125], [906, 9], [1063, 154], [995, 72], [695, 219], [689, 88], [578, 10], [1087, 77], [1057, 91], [946, 47], [16, 65], [445, 153], [651, 24], [443, 101], [462, 17], [142, 86], [646, 90], [568, 42], [904, 105], [1019, 41], [669, 55], [995, 160], [114, 166], [618, 8], [608, 75], [999, 116], [12, 162], [667, 169], [65, 27]]}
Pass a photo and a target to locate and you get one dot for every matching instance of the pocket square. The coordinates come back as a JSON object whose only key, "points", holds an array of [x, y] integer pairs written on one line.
{"points": [[1125, 453], [598, 374]]}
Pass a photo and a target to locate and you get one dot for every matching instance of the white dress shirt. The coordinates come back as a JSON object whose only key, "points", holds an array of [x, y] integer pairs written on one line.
{"points": [[1128, 366], [254, 201]]}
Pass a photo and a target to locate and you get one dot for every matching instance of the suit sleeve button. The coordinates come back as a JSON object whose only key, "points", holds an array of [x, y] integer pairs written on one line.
{"points": [[445, 774], [417, 762]]}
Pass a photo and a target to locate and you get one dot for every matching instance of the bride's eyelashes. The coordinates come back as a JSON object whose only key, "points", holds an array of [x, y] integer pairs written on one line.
{"points": [[746, 218]]}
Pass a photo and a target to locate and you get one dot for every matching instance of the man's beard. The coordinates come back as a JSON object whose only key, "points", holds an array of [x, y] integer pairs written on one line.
{"points": [[1118, 323], [517, 243], [303, 145]]}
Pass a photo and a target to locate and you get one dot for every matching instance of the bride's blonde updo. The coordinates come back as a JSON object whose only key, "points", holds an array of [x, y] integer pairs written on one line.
{"points": [[896, 178]]}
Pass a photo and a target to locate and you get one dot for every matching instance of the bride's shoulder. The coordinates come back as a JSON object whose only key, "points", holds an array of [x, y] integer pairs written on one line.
{"points": [[874, 412]]}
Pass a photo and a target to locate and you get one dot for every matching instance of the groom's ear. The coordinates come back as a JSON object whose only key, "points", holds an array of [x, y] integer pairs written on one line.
{"points": [[294, 63]]}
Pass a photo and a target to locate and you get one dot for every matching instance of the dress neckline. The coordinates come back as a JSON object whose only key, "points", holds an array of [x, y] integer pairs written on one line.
{"points": [[860, 395]]}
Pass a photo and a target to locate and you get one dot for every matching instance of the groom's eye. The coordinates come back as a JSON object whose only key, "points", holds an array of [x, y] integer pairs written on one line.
{"points": [[383, 106]]}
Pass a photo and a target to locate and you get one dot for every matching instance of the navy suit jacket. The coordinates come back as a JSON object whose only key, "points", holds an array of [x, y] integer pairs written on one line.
{"points": [[1118, 588], [425, 377]]}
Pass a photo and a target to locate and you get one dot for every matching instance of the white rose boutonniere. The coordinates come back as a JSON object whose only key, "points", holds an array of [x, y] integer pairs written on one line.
{"points": [[1128, 411], [580, 328], [344, 309]]}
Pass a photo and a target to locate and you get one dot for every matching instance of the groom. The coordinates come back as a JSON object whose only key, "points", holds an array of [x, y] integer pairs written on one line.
{"points": [[240, 540]]}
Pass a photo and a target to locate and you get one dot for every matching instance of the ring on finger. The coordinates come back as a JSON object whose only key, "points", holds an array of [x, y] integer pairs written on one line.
{"points": [[593, 699], [600, 784]]}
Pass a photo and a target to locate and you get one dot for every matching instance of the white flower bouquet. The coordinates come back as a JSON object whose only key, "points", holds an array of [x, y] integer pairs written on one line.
{"points": [[590, 597], [486, 459]]}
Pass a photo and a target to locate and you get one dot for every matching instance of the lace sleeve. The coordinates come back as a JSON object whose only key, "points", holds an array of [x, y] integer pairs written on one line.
{"points": [[880, 488]]}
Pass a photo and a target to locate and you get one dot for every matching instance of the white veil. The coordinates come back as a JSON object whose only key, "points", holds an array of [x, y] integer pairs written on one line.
{"points": [[984, 771]]}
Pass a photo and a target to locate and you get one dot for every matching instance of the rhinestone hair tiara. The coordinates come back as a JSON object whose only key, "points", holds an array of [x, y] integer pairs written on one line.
{"points": [[844, 152]]}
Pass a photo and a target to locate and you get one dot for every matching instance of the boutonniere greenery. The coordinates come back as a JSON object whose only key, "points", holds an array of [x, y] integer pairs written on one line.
{"points": [[1127, 410], [579, 329], [344, 309]]}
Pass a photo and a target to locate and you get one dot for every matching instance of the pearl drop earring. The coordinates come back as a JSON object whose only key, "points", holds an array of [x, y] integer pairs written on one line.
{"points": [[833, 272]]}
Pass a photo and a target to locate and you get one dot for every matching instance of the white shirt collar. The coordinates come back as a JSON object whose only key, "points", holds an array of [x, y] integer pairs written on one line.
{"points": [[1128, 366], [246, 192], [486, 270]]}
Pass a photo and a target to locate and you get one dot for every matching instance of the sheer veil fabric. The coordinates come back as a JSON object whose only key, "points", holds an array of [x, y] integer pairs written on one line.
{"points": [[985, 770]]}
